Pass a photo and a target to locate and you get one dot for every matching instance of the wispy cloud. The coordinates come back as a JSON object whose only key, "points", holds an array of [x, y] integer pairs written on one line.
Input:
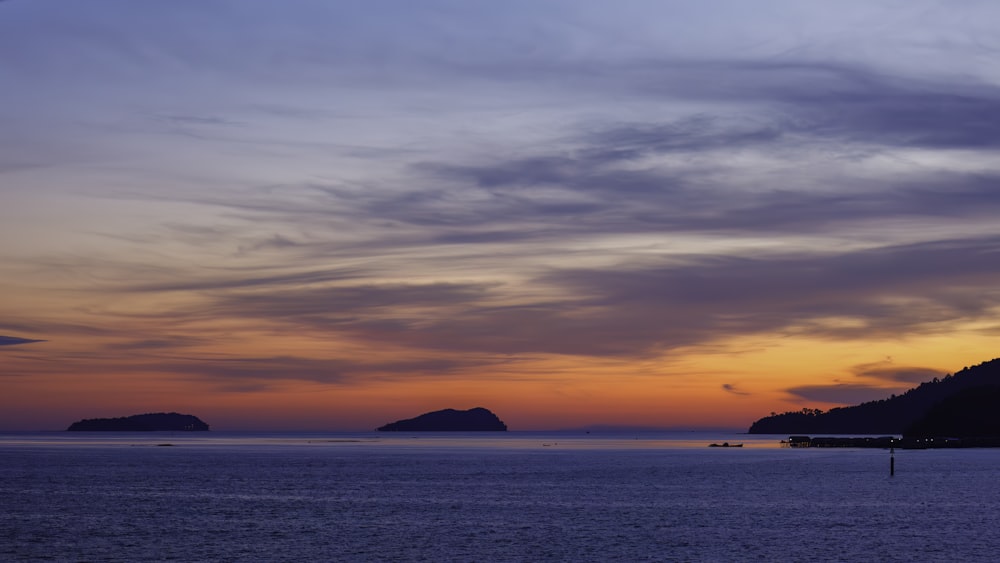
{"points": [[632, 309], [197, 120], [14, 341], [842, 393], [730, 388], [887, 371], [236, 281], [874, 381], [468, 184]]}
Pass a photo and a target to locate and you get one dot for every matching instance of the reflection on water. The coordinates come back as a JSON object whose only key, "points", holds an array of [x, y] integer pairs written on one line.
{"points": [[504, 440], [512, 497]]}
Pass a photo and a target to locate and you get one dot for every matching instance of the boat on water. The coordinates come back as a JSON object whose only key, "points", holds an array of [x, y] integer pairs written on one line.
{"points": [[725, 445]]}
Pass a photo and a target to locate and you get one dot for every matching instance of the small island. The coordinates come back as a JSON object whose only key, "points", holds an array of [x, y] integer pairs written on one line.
{"points": [[449, 420], [149, 422]]}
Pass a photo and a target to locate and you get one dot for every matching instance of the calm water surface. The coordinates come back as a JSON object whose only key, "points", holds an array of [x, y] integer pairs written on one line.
{"points": [[515, 497]]}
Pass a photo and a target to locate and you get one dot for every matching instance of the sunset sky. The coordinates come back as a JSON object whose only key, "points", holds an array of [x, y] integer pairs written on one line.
{"points": [[325, 215]]}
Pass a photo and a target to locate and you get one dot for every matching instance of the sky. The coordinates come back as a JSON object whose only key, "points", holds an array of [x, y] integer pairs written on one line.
{"points": [[314, 215]]}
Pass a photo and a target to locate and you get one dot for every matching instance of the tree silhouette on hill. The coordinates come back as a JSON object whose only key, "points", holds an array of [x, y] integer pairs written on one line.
{"points": [[898, 414]]}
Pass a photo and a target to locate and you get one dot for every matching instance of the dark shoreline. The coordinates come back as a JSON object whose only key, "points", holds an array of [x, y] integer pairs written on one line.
{"points": [[885, 442]]}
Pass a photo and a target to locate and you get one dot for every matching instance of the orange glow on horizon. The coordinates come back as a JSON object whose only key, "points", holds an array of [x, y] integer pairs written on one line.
{"points": [[688, 389]]}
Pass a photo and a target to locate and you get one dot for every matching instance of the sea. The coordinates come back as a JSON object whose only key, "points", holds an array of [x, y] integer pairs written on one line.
{"points": [[514, 496]]}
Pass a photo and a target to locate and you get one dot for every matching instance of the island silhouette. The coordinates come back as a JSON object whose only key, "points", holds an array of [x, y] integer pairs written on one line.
{"points": [[149, 422], [449, 420], [963, 405]]}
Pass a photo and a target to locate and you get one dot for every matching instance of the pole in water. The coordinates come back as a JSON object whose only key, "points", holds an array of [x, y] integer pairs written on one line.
{"points": [[892, 461]]}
